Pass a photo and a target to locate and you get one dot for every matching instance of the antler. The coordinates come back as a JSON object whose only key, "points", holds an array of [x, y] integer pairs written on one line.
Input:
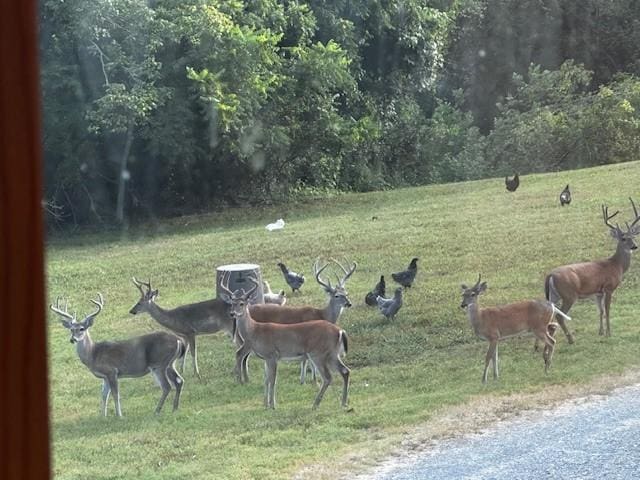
{"points": [[317, 273], [224, 283], [99, 303], [64, 312], [633, 229], [140, 284], [606, 217], [346, 274]]}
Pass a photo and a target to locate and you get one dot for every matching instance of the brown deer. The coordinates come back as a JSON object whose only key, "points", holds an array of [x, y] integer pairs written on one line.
{"points": [[320, 341], [597, 279], [154, 352], [497, 323], [186, 321], [286, 314]]}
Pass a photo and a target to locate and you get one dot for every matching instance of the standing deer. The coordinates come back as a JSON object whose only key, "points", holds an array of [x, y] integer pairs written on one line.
{"points": [[338, 301], [187, 321], [597, 279], [154, 352], [320, 341], [497, 323]]}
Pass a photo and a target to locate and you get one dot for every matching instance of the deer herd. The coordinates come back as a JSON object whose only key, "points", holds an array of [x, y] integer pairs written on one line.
{"points": [[275, 331]]}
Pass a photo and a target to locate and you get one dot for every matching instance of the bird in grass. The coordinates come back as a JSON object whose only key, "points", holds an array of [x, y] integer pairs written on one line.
{"points": [[390, 306], [512, 184], [293, 279], [378, 290], [406, 277], [565, 196]]}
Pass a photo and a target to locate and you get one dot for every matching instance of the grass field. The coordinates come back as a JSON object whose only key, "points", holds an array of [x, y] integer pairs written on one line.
{"points": [[402, 372]]}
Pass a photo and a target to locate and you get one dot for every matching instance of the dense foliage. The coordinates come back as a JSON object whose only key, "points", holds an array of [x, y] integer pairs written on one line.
{"points": [[174, 106]]}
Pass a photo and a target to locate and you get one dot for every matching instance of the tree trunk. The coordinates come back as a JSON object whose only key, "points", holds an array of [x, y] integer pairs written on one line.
{"points": [[124, 174]]}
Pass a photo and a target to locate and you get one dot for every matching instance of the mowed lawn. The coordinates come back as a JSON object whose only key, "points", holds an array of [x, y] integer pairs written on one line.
{"points": [[402, 371]]}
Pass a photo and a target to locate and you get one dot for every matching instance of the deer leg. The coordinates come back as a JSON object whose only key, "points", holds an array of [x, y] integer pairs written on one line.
{"points": [[271, 372], [194, 355], [184, 357], [607, 309], [325, 374], [600, 304], [161, 376], [176, 382], [566, 306], [344, 371], [113, 386], [303, 370], [549, 347], [495, 362], [105, 395], [241, 368], [490, 353]]}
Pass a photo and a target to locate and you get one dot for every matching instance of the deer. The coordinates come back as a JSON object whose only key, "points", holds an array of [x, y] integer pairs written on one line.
{"points": [[286, 314], [186, 321], [497, 323], [318, 340], [135, 357], [597, 279]]}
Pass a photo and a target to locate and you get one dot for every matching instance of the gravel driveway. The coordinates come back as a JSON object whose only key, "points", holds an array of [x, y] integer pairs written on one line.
{"points": [[596, 437]]}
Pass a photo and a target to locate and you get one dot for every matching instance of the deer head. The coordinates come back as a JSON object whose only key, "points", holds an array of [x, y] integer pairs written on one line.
{"points": [[625, 238], [239, 299], [338, 293], [78, 329], [147, 296], [470, 295]]}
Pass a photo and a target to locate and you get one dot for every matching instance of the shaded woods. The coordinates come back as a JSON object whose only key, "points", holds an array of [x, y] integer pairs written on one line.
{"points": [[168, 107]]}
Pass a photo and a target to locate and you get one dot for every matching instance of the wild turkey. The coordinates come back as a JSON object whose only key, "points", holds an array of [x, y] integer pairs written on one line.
{"points": [[512, 184], [378, 290], [565, 196], [390, 306], [293, 279], [406, 277]]}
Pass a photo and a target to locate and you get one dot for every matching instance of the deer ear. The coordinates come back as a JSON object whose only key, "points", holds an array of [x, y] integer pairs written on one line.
{"points": [[614, 234], [463, 287], [88, 322], [483, 287], [154, 294], [226, 298], [66, 324]]}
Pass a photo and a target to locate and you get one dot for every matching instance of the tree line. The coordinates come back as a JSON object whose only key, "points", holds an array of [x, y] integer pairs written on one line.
{"points": [[165, 107]]}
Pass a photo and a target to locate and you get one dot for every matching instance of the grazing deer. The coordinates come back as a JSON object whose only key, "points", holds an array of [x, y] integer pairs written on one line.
{"points": [[186, 321], [320, 341], [338, 301], [597, 279], [496, 323], [154, 352]]}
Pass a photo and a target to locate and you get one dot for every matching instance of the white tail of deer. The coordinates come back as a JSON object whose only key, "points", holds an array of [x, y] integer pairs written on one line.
{"points": [[497, 323], [598, 279], [155, 352], [320, 341]]}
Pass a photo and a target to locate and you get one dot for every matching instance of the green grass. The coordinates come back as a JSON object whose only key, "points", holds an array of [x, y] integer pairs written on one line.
{"points": [[402, 372]]}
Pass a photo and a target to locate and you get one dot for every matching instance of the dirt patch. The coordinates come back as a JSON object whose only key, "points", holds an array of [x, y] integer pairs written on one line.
{"points": [[480, 412]]}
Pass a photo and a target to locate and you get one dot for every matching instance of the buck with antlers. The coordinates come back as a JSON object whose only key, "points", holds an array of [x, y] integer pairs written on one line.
{"points": [[155, 352], [597, 279], [318, 340], [496, 323], [187, 321], [286, 314]]}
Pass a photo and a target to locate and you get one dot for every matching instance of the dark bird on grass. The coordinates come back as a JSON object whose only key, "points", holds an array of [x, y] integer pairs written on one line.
{"points": [[378, 290], [293, 279], [390, 306], [513, 183], [406, 277], [565, 196]]}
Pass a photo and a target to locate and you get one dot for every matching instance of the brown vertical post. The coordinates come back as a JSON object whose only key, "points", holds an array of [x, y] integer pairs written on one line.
{"points": [[24, 425]]}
